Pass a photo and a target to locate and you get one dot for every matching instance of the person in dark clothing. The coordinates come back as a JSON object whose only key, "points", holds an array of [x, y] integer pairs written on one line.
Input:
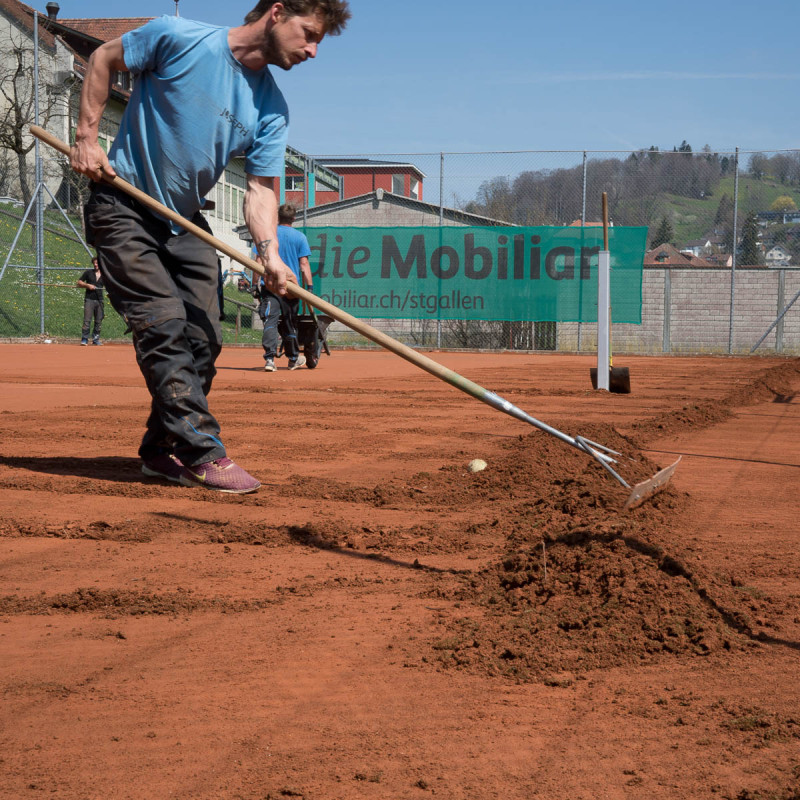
{"points": [[93, 305]]}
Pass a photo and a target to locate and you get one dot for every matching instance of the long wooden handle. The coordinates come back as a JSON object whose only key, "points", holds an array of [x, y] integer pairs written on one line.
{"points": [[423, 362]]}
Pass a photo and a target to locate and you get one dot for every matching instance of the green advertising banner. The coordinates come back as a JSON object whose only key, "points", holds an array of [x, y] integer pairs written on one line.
{"points": [[476, 273]]}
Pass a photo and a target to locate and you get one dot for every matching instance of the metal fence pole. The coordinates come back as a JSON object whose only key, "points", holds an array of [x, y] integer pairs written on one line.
{"points": [[38, 162], [733, 254], [583, 223], [583, 201], [305, 191], [781, 295]]}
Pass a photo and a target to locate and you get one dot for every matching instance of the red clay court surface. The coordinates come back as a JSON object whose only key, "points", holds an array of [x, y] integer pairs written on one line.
{"points": [[376, 621]]}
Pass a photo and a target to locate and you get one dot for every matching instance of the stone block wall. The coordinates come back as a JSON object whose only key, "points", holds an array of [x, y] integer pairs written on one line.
{"points": [[699, 319]]}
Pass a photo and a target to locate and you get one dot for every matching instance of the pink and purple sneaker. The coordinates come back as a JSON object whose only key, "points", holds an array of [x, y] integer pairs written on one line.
{"points": [[221, 475]]}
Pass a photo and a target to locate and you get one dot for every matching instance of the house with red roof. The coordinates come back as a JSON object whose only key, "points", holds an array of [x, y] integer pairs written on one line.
{"points": [[667, 255], [358, 177]]}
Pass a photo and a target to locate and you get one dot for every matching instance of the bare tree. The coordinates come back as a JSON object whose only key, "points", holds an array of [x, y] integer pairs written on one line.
{"points": [[17, 108], [494, 199], [759, 165]]}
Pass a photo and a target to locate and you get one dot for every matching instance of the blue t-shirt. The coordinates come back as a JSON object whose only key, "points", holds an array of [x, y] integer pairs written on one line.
{"points": [[193, 108], [292, 246]]}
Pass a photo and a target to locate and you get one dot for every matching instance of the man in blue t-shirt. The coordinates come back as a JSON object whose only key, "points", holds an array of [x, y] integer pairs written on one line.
{"points": [[279, 314], [202, 95]]}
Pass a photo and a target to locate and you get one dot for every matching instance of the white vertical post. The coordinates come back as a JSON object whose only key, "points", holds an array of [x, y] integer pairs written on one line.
{"points": [[603, 317], [604, 306]]}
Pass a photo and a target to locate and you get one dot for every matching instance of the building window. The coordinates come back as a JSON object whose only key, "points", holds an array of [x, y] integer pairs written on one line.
{"points": [[398, 184], [414, 189], [295, 183], [228, 197]]}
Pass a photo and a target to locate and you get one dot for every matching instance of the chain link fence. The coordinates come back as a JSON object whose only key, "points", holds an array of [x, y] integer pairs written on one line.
{"points": [[699, 202]]}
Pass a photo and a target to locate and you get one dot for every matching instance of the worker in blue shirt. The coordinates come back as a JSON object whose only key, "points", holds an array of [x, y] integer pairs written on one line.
{"points": [[203, 94], [279, 313]]}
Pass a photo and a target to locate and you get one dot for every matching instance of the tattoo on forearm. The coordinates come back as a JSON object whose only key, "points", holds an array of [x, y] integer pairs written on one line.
{"points": [[261, 247]]}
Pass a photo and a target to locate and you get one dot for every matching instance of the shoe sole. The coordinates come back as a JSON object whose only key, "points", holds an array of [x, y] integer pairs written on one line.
{"points": [[191, 481], [151, 473]]}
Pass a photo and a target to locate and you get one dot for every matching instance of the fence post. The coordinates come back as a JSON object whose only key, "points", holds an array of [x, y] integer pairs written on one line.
{"points": [[306, 192], [583, 223], [781, 298], [666, 344], [733, 254], [38, 162]]}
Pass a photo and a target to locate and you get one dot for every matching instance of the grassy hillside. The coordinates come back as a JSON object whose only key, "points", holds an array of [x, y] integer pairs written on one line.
{"points": [[692, 218]]}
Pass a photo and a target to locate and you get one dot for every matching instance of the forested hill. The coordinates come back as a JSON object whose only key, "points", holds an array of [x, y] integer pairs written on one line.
{"points": [[694, 191]]}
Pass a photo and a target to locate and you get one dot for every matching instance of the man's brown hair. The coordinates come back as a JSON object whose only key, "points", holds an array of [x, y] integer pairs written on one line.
{"points": [[286, 214], [334, 13]]}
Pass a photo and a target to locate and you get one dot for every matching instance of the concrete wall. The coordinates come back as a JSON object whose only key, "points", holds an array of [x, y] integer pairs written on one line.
{"points": [[699, 314]]}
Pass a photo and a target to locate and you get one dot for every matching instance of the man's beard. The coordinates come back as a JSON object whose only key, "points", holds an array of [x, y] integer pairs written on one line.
{"points": [[271, 54]]}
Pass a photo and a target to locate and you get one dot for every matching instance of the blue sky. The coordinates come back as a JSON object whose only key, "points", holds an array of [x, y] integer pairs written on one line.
{"points": [[468, 76]]}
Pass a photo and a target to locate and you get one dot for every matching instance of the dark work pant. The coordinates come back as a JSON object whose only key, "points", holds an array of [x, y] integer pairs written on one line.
{"points": [[165, 287], [279, 316], [92, 310]]}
